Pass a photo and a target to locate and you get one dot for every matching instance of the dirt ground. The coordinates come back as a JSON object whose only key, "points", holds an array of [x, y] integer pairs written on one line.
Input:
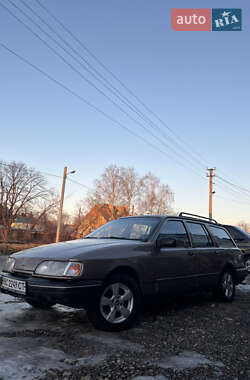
{"points": [[190, 338]]}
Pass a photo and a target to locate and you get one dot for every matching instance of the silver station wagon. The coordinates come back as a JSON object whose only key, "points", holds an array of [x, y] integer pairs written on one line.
{"points": [[115, 269]]}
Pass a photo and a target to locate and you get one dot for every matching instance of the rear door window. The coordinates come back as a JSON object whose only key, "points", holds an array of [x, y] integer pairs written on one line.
{"points": [[222, 237], [199, 235]]}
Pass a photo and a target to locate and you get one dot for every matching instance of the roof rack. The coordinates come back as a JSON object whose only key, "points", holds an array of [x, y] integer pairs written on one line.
{"points": [[194, 216]]}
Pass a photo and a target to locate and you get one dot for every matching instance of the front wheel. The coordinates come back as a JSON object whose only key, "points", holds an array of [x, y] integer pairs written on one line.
{"points": [[118, 305], [226, 287]]}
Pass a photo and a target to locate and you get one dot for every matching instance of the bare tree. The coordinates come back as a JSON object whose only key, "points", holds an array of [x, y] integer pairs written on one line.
{"points": [[44, 210], [108, 189], [148, 199], [165, 199], [81, 209], [20, 188], [155, 198], [121, 186], [130, 187]]}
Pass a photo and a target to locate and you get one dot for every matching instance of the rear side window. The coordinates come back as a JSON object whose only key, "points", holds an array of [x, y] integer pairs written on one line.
{"points": [[200, 237], [222, 237], [174, 229]]}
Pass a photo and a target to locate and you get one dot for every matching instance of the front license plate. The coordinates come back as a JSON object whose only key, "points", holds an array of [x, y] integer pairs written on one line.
{"points": [[13, 285]]}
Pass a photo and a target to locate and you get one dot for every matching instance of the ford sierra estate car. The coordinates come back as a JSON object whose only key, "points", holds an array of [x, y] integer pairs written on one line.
{"points": [[115, 269]]}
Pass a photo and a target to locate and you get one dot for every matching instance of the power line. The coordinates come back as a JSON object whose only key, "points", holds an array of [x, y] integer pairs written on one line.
{"points": [[134, 109], [83, 77], [68, 179], [240, 188], [97, 75], [52, 175], [230, 177], [91, 54], [234, 185], [226, 189], [78, 183], [48, 76], [231, 191], [232, 200]]}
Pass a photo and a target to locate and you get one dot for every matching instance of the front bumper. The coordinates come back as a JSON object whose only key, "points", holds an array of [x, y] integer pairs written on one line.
{"points": [[74, 293]]}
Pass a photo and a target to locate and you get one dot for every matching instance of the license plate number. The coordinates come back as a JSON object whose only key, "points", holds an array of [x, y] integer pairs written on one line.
{"points": [[13, 285]]}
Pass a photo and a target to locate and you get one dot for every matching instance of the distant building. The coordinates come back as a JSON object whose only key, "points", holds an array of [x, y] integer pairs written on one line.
{"points": [[99, 215], [23, 223]]}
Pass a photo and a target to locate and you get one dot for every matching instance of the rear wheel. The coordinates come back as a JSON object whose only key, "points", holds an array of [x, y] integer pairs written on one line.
{"points": [[40, 304], [226, 286], [247, 264], [118, 304]]}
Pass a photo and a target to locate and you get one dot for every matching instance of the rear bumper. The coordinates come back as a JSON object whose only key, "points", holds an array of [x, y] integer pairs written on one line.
{"points": [[241, 274], [74, 293]]}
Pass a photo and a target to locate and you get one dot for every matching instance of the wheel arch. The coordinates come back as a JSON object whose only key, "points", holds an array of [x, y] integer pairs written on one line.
{"points": [[95, 314], [127, 270], [230, 267]]}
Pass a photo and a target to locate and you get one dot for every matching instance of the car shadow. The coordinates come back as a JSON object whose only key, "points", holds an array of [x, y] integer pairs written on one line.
{"points": [[177, 304]]}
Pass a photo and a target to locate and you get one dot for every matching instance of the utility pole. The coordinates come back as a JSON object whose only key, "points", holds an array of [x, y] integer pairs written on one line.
{"points": [[211, 192], [59, 218]]}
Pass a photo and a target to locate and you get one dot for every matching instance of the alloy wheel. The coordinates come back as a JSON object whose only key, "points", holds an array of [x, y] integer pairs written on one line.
{"points": [[247, 264], [228, 284], [116, 303]]}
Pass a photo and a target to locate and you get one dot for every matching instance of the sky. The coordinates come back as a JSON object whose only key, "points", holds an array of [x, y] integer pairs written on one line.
{"points": [[198, 83]]}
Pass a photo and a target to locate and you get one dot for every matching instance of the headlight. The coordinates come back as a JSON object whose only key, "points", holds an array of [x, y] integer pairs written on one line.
{"points": [[59, 269], [9, 265]]}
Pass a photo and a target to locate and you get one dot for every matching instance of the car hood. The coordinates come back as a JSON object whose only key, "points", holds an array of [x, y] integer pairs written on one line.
{"points": [[80, 249]]}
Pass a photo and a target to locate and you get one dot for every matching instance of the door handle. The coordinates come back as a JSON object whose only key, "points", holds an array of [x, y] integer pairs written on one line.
{"points": [[218, 252], [190, 253]]}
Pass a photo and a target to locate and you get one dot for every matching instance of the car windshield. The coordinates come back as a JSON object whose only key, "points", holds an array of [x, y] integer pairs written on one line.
{"points": [[132, 228]]}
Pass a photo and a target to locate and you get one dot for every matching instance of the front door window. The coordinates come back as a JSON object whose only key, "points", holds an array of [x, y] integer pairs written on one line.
{"points": [[175, 230]]}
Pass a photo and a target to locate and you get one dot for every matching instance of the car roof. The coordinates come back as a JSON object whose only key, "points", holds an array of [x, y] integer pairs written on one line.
{"points": [[145, 216], [196, 218]]}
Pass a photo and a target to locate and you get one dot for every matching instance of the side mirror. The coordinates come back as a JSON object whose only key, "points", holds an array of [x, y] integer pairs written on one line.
{"points": [[166, 243]]}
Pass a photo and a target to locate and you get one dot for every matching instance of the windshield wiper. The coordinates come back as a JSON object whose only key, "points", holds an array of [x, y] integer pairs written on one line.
{"points": [[118, 238], [112, 237]]}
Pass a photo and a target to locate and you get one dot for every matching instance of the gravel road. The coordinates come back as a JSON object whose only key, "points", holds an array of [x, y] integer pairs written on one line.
{"points": [[190, 338]]}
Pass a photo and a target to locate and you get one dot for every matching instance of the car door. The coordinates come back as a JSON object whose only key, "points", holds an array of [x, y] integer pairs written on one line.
{"points": [[175, 266], [226, 248], [208, 255]]}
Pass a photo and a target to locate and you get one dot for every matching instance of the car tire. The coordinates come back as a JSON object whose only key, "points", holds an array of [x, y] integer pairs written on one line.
{"points": [[226, 287], [247, 264], [40, 304], [118, 304]]}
